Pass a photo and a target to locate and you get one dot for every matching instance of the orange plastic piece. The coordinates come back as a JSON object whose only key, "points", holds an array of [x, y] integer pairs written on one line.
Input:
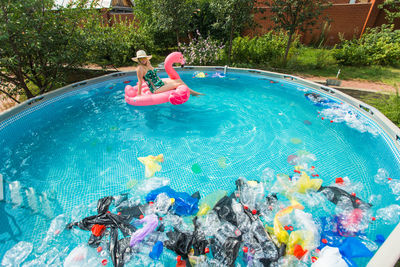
{"points": [[298, 251], [98, 229], [339, 180]]}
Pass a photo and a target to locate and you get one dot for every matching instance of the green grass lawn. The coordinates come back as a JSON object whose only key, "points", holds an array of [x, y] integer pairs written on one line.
{"points": [[320, 62], [386, 75]]}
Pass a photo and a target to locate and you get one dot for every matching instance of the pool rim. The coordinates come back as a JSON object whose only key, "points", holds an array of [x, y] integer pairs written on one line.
{"points": [[386, 255]]}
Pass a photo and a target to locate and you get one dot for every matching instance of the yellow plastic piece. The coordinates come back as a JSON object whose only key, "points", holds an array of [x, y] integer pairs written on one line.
{"points": [[294, 238], [252, 183], [301, 237], [200, 75], [203, 209], [298, 167], [151, 164], [305, 183], [209, 201], [172, 200], [281, 234]]}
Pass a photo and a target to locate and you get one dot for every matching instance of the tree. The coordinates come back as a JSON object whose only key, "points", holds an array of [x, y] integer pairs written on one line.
{"points": [[37, 44], [161, 16], [295, 15], [392, 9], [173, 15], [234, 16]]}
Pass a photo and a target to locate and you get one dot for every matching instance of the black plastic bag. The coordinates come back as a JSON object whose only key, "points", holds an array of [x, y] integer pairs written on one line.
{"points": [[225, 252], [114, 223], [179, 242], [334, 195], [224, 210]]}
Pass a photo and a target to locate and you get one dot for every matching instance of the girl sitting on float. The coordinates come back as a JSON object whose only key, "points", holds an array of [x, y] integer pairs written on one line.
{"points": [[147, 73]]}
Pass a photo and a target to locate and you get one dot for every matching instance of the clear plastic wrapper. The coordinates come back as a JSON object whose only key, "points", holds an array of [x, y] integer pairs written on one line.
{"points": [[389, 215]]}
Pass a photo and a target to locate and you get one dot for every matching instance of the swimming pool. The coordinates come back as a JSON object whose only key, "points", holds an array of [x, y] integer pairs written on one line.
{"points": [[69, 150]]}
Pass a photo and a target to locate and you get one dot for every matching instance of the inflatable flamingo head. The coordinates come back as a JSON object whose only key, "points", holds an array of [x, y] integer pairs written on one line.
{"points": [[175, 57]]}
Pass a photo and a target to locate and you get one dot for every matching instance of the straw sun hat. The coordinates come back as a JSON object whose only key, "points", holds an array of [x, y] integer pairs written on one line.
{"points": [[141, 54]]}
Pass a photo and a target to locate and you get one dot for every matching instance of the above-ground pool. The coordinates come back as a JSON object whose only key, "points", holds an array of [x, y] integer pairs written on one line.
{"points": [[66, 152]]}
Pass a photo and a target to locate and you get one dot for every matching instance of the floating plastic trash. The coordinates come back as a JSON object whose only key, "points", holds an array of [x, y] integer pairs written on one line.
{"points": [[295, 141], [184, 204], [222, 162], [209, 201], [353, 248], [130, 184], [157, 250], [318, 100], [218, 75], [196, 168], [151, 164], [292, 159], [150, 223], [330, 256], [198, 74], [262, 222]]}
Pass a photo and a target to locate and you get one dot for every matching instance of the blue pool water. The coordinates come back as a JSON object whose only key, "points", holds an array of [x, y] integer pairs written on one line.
{"points": [[84, 145]]}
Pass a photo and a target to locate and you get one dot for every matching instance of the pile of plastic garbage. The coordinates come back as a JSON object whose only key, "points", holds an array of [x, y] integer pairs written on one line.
{"points": [[270, 221]]}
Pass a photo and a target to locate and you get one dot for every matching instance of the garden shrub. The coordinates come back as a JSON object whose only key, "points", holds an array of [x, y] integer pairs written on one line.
{"points": [[378, 46], [116, 44], [202, 51], [268, 49]]}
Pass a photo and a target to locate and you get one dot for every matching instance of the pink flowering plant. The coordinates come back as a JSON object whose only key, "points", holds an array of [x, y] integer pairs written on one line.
{"points": [[202, 51]]}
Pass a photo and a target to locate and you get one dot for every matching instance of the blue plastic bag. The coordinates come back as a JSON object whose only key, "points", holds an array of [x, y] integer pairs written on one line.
{"points": [[184, 204]]}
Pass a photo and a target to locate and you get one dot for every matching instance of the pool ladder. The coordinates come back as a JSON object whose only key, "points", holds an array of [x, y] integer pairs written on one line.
{"points": [[27, 197]]}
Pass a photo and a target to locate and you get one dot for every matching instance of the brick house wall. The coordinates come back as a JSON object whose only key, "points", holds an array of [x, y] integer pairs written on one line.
{"points": [[346, 19]]}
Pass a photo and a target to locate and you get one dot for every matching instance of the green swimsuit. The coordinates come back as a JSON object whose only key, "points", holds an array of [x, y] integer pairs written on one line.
{"points": [[153, 80]]}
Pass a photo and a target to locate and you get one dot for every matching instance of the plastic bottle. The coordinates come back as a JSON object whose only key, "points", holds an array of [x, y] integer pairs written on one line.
{"points": [[162, 203], [244, 222], [389, 215], [381, 176], [57, 225], [394, 184], [266, 244], [210, 223], [268, 176], [227, 230], [157, 250]]}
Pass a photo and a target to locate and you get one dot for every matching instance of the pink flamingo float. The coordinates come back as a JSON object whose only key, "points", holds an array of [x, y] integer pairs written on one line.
{"points": [[178, 96]]}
